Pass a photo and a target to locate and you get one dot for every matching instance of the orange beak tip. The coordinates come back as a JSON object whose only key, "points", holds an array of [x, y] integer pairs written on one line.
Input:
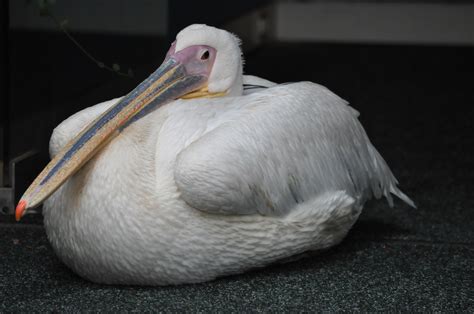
{"points": [[20, 209]]}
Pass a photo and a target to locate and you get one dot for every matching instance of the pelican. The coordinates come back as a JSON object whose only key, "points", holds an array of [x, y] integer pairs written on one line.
{"points": [[201, 172]]}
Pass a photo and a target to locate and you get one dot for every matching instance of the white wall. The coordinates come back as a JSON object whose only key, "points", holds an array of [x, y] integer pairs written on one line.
{"points": [[375, 22], [147, 17], [338, 21]]}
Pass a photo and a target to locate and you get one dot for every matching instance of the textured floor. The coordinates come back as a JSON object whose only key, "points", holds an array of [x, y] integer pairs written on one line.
{"points": [[417, 105]]}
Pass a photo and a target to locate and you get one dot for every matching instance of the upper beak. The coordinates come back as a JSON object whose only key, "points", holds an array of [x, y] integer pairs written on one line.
{"points": [[169, 82]]}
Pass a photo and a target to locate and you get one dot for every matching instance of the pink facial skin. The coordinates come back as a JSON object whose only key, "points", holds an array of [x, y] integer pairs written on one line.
{"points": [[197, 59]]}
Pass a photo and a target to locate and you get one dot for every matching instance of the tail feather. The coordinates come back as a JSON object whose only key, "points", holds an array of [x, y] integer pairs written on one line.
{"points": [[385, 179], [397, 192]]}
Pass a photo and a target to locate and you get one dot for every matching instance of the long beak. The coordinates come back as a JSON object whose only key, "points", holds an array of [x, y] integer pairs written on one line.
{"points": [[170, 81]]}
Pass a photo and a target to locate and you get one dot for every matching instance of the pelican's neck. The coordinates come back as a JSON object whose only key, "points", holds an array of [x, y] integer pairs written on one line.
{"points": [[237, 87]]}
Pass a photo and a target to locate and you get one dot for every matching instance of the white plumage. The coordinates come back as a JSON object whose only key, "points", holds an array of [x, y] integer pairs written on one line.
{"points": [[202, 188]]}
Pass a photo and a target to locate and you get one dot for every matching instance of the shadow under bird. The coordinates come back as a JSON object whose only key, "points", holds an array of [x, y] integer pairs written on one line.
{"points": [[202, 171]]}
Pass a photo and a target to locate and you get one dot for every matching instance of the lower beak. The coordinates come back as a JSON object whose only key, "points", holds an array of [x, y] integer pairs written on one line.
{"points": [[169, 82]]}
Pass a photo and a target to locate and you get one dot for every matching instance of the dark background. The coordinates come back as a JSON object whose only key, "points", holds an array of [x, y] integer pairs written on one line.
{"points": [[410, 74]]}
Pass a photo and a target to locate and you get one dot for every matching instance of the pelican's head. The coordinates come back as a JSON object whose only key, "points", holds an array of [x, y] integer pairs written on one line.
{"points": [[213, 53], [203, 62]]}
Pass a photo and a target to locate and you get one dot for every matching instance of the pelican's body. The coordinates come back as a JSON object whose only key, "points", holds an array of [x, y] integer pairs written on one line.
{"points": [[205, 187]]}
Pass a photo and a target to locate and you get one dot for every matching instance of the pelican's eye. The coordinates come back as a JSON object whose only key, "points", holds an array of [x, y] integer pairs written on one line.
{"points": [[205, 55]]}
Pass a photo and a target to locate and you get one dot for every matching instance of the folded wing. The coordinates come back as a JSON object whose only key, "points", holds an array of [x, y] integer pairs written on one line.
{"points": [[290, 144]]}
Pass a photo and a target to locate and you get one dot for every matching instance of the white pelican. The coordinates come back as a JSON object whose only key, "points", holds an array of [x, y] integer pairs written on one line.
{"points": [[194, 176]]}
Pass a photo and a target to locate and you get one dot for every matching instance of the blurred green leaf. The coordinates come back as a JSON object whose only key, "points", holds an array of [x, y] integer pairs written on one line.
{"points": [[116, 67], [64, 23], [43, 8]]}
